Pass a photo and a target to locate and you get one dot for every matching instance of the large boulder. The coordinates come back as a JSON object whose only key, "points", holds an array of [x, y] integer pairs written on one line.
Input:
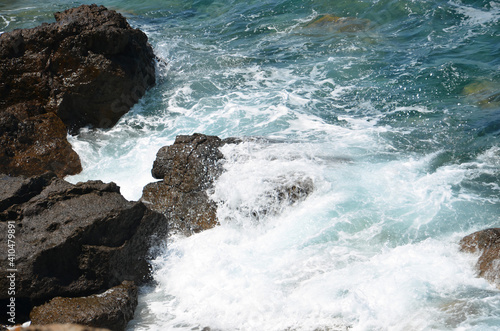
{"points": [[487, 244], [88, 68], [188, 169], [72, 240], [111, 309]]}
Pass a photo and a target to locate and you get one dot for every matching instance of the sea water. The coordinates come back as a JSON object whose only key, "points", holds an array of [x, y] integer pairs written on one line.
{"points": [[391, 114]]}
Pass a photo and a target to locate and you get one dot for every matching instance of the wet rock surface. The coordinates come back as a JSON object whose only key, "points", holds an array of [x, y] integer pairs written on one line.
{"points": [[111, 309], [73, 240], [487, 244], [188, 168], [86, 69]]}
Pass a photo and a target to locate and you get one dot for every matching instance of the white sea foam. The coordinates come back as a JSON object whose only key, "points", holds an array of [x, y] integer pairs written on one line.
{"points": [[333, 260], [374, 246]]}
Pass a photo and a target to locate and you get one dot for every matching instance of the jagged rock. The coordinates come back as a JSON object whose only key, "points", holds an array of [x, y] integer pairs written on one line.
{"points": [[88, 68], [72, 240], [188, 168], [111, 309], [487, 243]]}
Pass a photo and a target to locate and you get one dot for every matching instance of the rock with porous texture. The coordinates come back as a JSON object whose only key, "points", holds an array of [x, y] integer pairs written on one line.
{"points": [[73, 240], [112, 309], [86, 69], [487, 243], [188, 169]]}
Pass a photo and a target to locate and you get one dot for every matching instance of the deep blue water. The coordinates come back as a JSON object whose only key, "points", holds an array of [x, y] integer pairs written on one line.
{"points": [[391, 108]]}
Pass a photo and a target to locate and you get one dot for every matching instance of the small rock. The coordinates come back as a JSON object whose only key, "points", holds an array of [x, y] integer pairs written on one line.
{"points": [[112, 309], [487, 243], [61, 327]]}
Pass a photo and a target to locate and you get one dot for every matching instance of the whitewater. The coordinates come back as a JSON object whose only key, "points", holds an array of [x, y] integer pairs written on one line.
{"points": [[392, 114]]}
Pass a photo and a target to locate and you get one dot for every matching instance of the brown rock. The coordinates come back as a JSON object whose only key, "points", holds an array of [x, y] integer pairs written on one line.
{"points": [[487, 243], [188, 168], [111, 309], [32, 145]]}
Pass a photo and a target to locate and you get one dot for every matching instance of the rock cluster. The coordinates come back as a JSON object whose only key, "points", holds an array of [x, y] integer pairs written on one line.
{"points": [[73, 240], [86, 69]]}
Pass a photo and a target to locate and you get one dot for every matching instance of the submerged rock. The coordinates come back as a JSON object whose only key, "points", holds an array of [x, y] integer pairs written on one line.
{"points": [[112, 309], [286, 191], [86, 69], [487, 243], [485, 93], [73, 240], [338, 24], [188, 168]]}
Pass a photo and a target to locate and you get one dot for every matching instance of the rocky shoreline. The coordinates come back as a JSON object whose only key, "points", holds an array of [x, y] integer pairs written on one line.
{"points": [[83, 249]]}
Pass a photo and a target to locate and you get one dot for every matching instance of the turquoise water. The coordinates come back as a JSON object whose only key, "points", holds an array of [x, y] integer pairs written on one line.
{"points": [[392, 113]]}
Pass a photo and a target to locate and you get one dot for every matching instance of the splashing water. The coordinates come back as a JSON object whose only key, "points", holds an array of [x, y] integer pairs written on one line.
{"points": [[387, 129]]}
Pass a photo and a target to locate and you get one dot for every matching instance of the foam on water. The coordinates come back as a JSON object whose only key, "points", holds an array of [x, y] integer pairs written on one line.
{"points": [[334, 260], [392, 162]]}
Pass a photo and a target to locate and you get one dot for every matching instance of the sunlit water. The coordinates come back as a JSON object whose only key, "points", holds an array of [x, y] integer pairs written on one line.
{"points": [[394, 119]]}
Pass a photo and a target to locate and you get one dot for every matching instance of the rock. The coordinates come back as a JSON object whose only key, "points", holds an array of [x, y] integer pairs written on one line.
{"points": [[338, 24], [188, 168], [485, 93], [112, 309], [287, 191], [31, 145], [89, 67], [73, 240], [61, 327], [486, 243], [86, 69]]}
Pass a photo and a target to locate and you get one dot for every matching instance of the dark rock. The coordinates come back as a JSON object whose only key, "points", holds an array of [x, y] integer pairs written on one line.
{"points": [[88, 68], [73, 240], [188, 168], [487, 243], [112, 309], [61, 327], [286, 191]]}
